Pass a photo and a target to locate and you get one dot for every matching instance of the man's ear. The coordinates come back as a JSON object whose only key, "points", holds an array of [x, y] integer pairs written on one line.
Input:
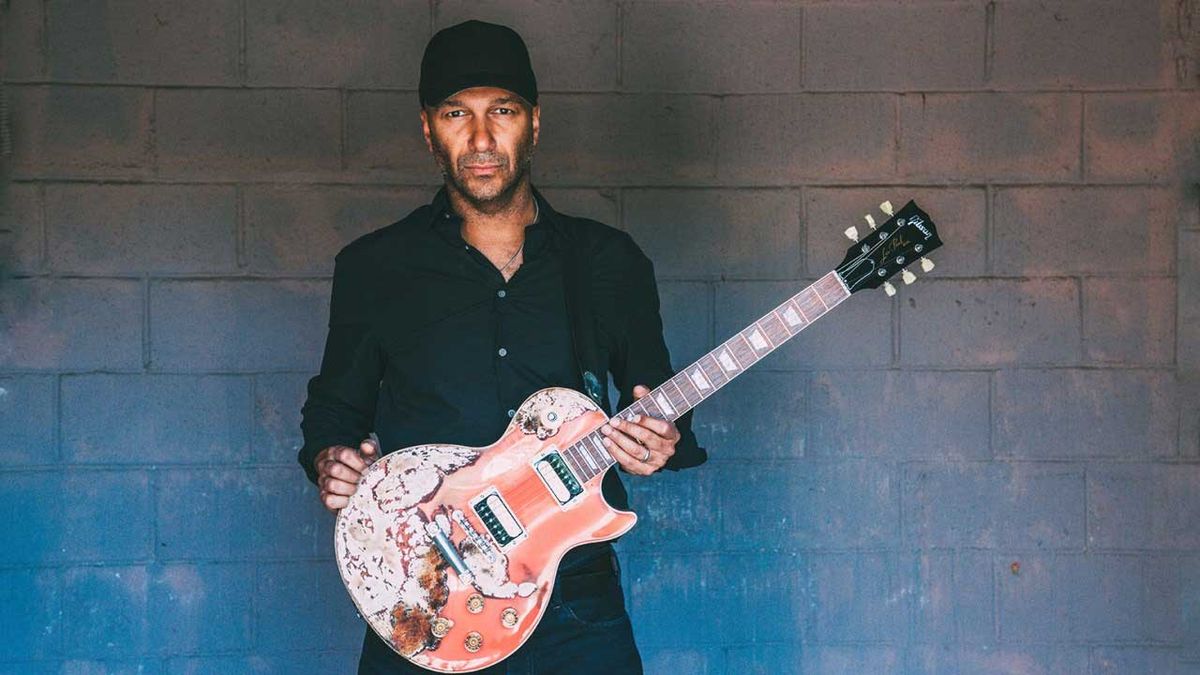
{"points": [[536, 114], [425, 128]]}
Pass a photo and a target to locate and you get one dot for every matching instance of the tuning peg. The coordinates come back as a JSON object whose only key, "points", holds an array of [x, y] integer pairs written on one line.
{"points": [[886, 207], [908, 277], [889, 288], [851, 233], [926, 265], [870, 221]]}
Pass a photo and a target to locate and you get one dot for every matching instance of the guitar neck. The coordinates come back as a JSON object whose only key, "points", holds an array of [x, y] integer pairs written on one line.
{"points": [[695, 383]]}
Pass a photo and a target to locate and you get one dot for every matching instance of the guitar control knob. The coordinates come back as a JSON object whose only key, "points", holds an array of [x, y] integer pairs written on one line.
{"points": [[508, 617], [475, 603], [473, 642], [441, 626]]}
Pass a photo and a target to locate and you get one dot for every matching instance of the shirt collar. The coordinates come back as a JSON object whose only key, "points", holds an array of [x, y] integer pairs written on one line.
{"points": [[447, 223]]}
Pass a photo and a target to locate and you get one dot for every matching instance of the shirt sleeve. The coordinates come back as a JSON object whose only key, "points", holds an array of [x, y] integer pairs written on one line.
{"points": [[340, 408], [641, 355]]}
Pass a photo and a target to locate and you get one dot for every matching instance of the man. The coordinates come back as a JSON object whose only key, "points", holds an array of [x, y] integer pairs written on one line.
{"points": [[443, 323]]}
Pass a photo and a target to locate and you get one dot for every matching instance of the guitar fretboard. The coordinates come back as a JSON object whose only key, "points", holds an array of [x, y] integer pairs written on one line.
{"points": [[686, 389]]}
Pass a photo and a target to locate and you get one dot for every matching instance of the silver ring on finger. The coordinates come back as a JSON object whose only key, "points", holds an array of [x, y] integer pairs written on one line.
{"points": [[647, 455]]}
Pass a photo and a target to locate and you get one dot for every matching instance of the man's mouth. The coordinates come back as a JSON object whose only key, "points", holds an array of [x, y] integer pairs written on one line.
{"points": [[483, 168]]}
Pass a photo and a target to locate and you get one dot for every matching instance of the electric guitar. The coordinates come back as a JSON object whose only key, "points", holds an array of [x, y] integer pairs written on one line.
{"points": [[450, 551]]}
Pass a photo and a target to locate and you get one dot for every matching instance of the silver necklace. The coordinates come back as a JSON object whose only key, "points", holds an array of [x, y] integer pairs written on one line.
{"points": [[536, 211]]}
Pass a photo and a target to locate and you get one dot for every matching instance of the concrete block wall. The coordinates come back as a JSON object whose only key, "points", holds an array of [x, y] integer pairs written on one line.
{"points": [[997, 471]]}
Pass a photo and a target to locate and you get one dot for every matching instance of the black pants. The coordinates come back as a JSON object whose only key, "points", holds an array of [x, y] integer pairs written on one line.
{"points": [[585, 628]]}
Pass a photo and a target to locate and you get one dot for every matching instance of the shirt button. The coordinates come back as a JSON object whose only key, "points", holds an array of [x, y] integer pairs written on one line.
{"points": [[501, 293], [502, 351], [511, 412]]}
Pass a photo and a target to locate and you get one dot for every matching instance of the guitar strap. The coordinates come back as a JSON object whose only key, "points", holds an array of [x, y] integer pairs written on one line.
{"points": [[592, 366]]}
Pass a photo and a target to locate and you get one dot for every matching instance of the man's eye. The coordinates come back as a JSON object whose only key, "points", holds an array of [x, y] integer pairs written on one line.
{"points": [[508, 111], [455, 113]]}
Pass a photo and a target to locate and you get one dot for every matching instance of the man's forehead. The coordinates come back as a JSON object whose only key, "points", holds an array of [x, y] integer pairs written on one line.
{"points": [[489, 95]]}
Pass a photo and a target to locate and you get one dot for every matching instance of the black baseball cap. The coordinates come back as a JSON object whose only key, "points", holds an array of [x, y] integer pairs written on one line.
{"points": [[476, 54]]}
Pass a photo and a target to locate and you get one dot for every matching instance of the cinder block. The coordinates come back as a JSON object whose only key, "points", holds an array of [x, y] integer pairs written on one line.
{"points": [[383, 136], [277, 401], [108, 611], [1054, 46], [1095, 598], [717, 234], [769, 659], [691, 660], [687, 319], [704, 48], [238, 514], [669, 589], [1142, 137], [1128, 414], [1091, 230], [609, 139], [248, 132], [364, 44], [148, 666], [22, 35], [71, 324], [209, 608], [989, 136], [1114, 660], [298, 230], [599, 205], [572, 45], [946, 414], [296, 663], [675, 511], [996, 505], [166, 44], [31, 623], [83, 516], [760, 415], [993, 658], [238, 325], [806, 506], [787, 139], [1189, 603], [79, 130], [991, 323], [926, 45], [856, 333], [29, 418], [959, 214], [1144, 506], [1129, 320], [856, 597], [1188, 328], [311, 599], [951, 597], [139, 419], [133, 229], [21, 229]]}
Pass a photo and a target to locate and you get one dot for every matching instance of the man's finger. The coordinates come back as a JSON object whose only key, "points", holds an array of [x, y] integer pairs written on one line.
{"points": [[340, 487], [637, 431], [339, 470], [351, 458], [640, 390], [629, 462], [661, 427], [334, 502]]}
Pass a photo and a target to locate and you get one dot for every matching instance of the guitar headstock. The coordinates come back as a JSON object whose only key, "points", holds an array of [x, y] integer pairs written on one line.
{"points": [[908, 235]]}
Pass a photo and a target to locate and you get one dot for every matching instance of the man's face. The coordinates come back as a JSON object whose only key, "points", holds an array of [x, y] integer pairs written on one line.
{"points": [[483, 139]]}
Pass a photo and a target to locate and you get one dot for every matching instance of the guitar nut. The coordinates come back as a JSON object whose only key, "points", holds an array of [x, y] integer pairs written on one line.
{"points": [[475, 603]]}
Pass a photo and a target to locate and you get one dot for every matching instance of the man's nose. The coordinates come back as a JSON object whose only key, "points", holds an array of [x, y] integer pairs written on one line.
{"points": [[481, 136]]}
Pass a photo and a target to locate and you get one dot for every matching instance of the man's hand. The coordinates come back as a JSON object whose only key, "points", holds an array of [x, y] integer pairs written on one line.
{"points": [[338, 469], [641, 445]]}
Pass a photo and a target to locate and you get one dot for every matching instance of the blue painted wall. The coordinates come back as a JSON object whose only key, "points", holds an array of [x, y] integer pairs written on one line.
{"points": [[997, 471]]}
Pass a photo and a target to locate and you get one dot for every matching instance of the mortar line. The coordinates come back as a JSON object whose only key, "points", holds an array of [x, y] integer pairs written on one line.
{"points": [[618, 43], [43, 263], [243, 69], [989, 41], [146, 336]]}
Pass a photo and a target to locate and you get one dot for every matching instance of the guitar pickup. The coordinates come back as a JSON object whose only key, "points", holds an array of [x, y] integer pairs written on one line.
{"points": [[557, 476], [499, 520]]}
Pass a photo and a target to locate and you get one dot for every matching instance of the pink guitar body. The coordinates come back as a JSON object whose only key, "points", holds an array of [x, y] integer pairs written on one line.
{"points": [[403, 583]]}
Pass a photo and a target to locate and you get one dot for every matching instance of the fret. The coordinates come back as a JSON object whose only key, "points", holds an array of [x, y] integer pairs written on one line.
{"points": [[811, 305], [775, 327], [793, 317], [679, 402], [831, 289], [653, 409], [715, 373], [700, 380], [754, 337], [574, 462], [742, 351], [689, 390], [727, 361], [639, 407], [603, 458], [589, 456], [663, 401]]}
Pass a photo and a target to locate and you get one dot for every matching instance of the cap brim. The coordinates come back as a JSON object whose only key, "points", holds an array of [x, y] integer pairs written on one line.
{"points": [[453, 85]]}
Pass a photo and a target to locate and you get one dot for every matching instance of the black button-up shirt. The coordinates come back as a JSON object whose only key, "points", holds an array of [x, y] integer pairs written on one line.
{"points": [[428, 344]]}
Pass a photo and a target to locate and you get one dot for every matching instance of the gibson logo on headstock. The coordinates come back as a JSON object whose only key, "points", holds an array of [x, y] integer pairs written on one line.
{"points": [[916, 222]]}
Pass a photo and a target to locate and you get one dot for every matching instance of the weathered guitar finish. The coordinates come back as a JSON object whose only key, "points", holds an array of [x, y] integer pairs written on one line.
{"points": [[450, 552]]}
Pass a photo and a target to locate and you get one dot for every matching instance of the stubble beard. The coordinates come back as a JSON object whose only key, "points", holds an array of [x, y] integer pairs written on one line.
{"points": [[488, 195]]}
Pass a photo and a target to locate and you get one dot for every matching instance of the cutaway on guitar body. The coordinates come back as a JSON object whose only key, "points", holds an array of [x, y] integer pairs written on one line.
{"points": [[450, 552]]}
